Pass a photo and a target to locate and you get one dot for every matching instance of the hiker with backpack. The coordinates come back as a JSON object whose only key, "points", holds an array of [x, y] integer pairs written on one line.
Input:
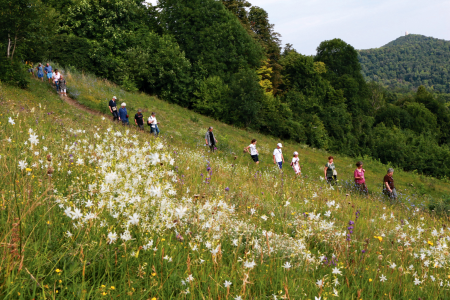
{"points": [[153, 124], [113, 108]]}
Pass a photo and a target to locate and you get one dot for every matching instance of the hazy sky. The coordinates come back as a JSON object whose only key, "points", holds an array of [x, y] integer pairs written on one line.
{"points": [[364, 23]]}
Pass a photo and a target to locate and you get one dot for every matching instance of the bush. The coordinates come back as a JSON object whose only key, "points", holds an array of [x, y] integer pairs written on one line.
{"points": [[14, 73]]}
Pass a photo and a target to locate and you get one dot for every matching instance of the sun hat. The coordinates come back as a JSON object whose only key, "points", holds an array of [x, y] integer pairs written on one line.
{"points": [[295, 153], [114, 97], [139, 110], [123, 104], [279, 145]]}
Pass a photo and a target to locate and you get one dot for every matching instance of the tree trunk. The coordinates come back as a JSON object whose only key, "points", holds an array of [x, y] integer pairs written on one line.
{"points": [[9, 47], [14, 49]]}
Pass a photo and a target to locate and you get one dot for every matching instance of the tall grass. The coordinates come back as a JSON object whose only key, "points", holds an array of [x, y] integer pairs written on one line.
{"points": [[68, 228]]}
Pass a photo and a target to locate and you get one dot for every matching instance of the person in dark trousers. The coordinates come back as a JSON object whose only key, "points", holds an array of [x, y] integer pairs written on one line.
{"points": [[139, 119], [253, 152], [210, 139], [330, 170], [113, 108], [123, 114], [388, 186]]}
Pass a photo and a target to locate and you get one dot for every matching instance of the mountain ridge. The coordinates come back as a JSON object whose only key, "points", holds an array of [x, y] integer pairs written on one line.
{"points": [[408, 62]]}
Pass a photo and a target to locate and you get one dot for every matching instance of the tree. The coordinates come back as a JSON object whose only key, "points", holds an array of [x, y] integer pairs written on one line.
{"points": [[21, 20], [158, 66], [211, 37]]}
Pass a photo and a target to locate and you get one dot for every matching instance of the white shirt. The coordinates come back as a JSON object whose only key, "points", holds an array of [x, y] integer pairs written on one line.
{"points": [[152, 121], [278, 155], [295, 160], [56, 76], [253, 150]]}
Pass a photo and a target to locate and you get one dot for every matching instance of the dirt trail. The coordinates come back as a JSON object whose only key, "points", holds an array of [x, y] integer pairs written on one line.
{"points": [[75, 103]]}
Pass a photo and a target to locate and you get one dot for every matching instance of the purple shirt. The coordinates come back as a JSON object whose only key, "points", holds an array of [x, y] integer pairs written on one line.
{"points": [[359, 174]]}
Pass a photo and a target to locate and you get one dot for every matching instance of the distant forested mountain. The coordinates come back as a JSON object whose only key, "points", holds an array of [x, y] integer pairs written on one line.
{"points": [[409, 62]]}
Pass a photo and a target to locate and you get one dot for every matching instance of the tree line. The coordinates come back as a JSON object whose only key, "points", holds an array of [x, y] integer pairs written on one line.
{"points": [[224, 59]]}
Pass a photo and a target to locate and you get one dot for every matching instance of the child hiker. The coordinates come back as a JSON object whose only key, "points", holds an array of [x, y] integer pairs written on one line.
{"points": [[295, 164]]}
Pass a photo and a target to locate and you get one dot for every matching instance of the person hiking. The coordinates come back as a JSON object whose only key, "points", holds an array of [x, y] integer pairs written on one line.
{"points": [[210, 139], [253, 151], [62, 85], [295, 164], [388, 186], [153, 124], [48, 70], [56, 77], [278, 158], [40, 72], [30, 68], [113, 108], [330, 170], [123, 114], [360, 181], [139, 119]]}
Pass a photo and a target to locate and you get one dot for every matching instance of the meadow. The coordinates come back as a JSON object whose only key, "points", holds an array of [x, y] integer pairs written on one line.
{"points": [[91, 209]]}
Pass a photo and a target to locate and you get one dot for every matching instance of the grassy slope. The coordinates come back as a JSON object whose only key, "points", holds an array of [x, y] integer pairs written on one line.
{"points": [[85, 267], [178, 122]]}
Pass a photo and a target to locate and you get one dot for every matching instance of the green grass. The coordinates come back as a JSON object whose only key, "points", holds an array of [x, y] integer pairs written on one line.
{"points": [[245, 213], [188, 128]]}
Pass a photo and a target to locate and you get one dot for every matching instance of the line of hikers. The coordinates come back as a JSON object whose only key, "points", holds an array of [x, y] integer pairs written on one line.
{"points": [[53, 77], [121, 115], [330, 172]]}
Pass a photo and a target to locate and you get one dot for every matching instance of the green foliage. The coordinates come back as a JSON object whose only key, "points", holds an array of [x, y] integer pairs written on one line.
{"points": [[210, 35], [71, 50], [409, 61], [212, 96], [13, 73], [244, 99], [158, 66]]}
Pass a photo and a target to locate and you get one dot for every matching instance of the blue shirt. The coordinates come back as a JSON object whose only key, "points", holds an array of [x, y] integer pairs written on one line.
{"points": [[123, 114], [48, 69]]}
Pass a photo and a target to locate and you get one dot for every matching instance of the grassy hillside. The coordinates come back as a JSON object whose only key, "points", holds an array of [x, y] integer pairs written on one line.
{"points": [[127, 216], [409, 61], [188, 128]]}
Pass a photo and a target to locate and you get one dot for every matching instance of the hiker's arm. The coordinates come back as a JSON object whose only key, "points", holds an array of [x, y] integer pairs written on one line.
{"points": [[387, 185], [282, 157], [274, 161], [110, 109], [325, 171]]}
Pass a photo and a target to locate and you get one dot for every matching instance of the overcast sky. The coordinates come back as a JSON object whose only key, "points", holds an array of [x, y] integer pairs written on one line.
{"points": [[362, 23]]}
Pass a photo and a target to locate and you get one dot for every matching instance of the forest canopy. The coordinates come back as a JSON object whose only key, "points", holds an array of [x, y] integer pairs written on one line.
{"points": [[409, 62]]}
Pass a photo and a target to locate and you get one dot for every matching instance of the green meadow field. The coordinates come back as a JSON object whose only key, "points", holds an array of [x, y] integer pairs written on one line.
{"points": [[91, 209]]}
